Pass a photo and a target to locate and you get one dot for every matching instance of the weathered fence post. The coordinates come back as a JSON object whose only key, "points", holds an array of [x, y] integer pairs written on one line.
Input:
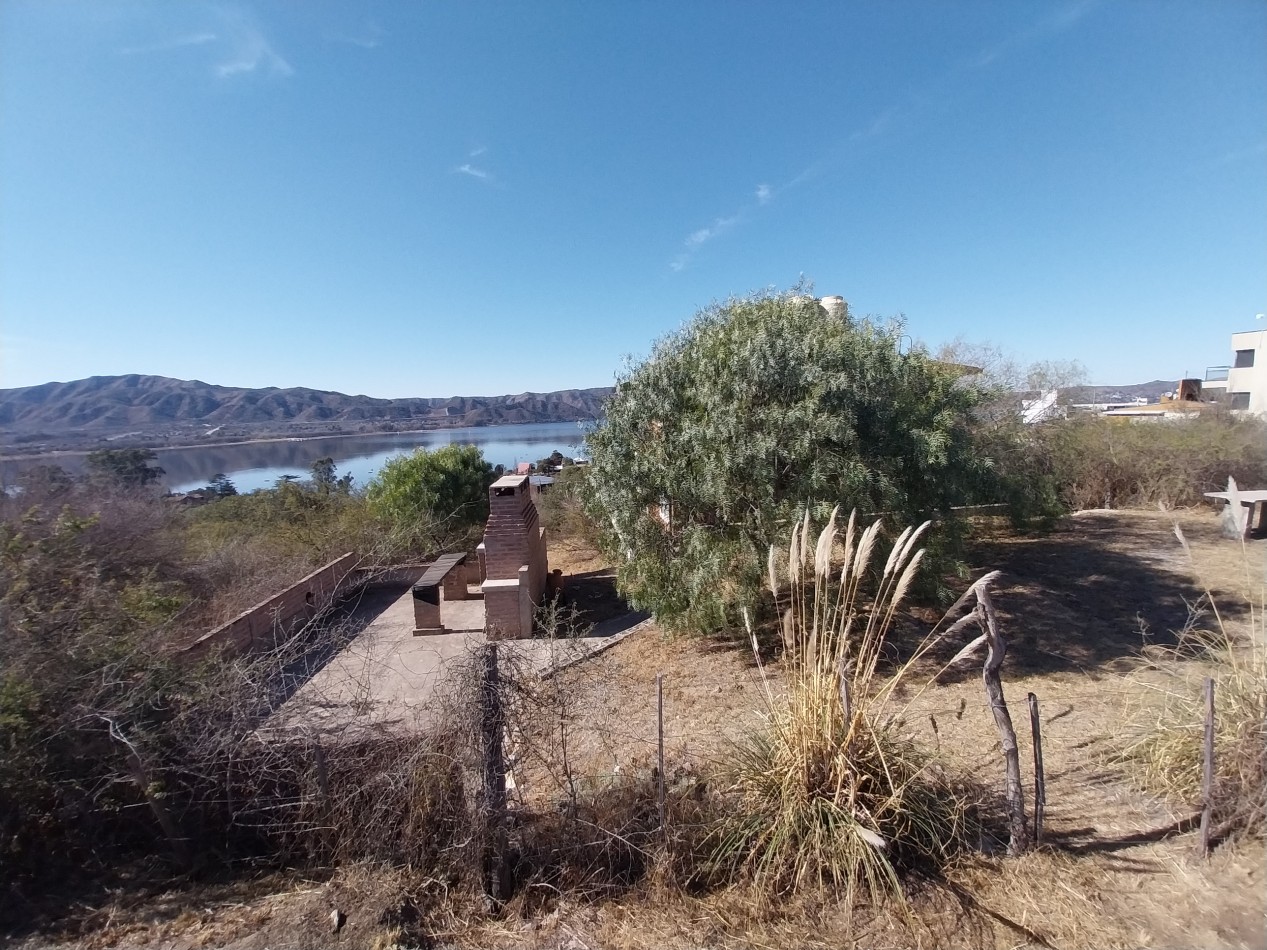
{"points": [[1207, 768], [493, 790], [996, 646], [659, 695], [1040, 780]]}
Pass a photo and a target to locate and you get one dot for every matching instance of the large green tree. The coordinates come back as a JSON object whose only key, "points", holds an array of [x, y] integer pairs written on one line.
{"points": [[435, 497], [126, 467], [755, 409]]}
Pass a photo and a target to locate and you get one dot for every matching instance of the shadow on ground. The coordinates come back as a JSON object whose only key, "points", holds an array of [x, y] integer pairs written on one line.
{"points": [[1088, 596], [594, 596]]}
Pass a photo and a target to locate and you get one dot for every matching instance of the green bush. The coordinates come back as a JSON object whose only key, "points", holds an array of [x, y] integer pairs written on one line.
{"points": [[713, 445], [435, 499]]}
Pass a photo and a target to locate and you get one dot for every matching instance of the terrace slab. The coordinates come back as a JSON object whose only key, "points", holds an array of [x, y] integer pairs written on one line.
{"points": [[388, 679]]}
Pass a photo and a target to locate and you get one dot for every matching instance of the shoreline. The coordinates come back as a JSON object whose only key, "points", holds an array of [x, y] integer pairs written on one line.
{"points": [[63, 453]]}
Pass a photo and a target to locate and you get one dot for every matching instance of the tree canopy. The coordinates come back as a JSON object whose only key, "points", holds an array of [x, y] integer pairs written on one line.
{"points": [[439, 494], [760, 406], [126, 467]]}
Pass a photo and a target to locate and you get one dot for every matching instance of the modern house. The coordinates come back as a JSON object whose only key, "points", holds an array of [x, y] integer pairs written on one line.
{"points": [[1244, 382]]}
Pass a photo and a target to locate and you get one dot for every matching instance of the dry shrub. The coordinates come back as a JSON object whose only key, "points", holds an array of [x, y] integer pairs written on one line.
{"points": [[831, 793], [576, 826], [1164, 748], [1122, 463]]}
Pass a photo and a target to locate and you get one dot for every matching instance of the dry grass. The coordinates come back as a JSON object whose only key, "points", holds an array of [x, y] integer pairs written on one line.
{"points": [[829, 793], [1118, 869], [1164, 747]]}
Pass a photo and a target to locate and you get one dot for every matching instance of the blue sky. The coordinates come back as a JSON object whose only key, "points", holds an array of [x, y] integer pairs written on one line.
{"points": [[465, 198]]}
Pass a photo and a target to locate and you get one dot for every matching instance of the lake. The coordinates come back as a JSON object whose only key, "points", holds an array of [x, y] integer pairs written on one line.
{"points": [[253, 465]]}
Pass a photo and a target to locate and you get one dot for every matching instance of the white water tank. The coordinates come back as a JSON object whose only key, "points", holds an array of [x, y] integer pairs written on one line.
{"points": [[835, 305]]}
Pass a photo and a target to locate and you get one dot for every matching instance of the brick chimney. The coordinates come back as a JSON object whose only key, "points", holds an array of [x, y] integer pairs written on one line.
{"points": [[514, 558]]}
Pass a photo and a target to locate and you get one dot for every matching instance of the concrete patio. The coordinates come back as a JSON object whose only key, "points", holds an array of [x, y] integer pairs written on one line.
{"points": [[389, 679]]}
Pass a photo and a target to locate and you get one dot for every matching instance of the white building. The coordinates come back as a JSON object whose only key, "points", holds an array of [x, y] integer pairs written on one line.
{"points": [[1245, 381]]}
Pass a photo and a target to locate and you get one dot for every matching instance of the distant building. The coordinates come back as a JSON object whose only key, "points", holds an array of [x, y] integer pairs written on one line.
{"points": [[523, 468], [1244, 382]]}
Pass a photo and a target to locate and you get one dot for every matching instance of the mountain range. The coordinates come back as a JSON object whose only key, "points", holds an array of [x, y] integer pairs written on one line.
{"points": [[161, 410], [153, 405]]}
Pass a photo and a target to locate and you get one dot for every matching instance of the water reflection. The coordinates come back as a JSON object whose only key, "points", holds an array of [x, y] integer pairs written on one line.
{"points": [[259, 464]]}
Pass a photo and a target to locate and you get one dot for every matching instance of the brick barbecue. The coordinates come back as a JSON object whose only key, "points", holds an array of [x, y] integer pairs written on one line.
{"points": [[513, 559]]}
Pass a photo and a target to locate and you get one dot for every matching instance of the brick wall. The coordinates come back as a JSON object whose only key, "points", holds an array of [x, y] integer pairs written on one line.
{"points": [[263, 625]]}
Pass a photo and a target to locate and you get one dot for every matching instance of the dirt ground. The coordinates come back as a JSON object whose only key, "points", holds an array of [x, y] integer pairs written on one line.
{"points": [[1118, 868]]}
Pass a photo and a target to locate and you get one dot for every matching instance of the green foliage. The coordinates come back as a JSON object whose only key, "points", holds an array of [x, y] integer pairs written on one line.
{"points": [[755, 409], [555, 460], [562, 507], [127, 468], [293, 521], [435, 497], [222, 485], [325, 477]]}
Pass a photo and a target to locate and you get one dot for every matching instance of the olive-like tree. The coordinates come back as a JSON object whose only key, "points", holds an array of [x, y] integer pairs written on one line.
{"points": [[754, 410], [128, 468], [434, 498]]}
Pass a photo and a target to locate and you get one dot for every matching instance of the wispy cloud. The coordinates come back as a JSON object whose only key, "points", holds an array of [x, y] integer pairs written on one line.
{"points": [[238, 44], [250, 49], [897, 118], [1059, 20], [176, 42], [370, 36], [880, 125], [479, 171], [698, 238]]}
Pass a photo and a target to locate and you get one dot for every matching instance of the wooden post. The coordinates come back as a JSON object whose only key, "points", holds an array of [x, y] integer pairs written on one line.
{"points": [[1040, 780], [493, 791], [158, 806], [323, 773], [1018, 832], [659, 695], [1207, 769]]}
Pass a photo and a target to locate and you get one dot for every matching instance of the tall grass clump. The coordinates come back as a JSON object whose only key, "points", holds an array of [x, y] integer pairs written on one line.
{"points": [[1164, 748], [829, 792]]}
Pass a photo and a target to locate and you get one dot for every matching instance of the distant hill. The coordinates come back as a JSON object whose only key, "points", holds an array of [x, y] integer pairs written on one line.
{"points": [[1150, 391], [105, 404]]}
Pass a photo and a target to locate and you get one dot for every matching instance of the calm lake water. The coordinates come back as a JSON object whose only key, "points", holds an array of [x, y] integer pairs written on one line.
{"points": [[260, 464]]}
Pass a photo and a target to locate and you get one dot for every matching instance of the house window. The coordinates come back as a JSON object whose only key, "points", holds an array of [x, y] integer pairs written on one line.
{"points": [[1239, 400], [1244, 359]]}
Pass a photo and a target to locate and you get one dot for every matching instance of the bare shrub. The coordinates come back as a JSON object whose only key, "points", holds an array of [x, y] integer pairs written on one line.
{"points": [[1122, 463]]}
